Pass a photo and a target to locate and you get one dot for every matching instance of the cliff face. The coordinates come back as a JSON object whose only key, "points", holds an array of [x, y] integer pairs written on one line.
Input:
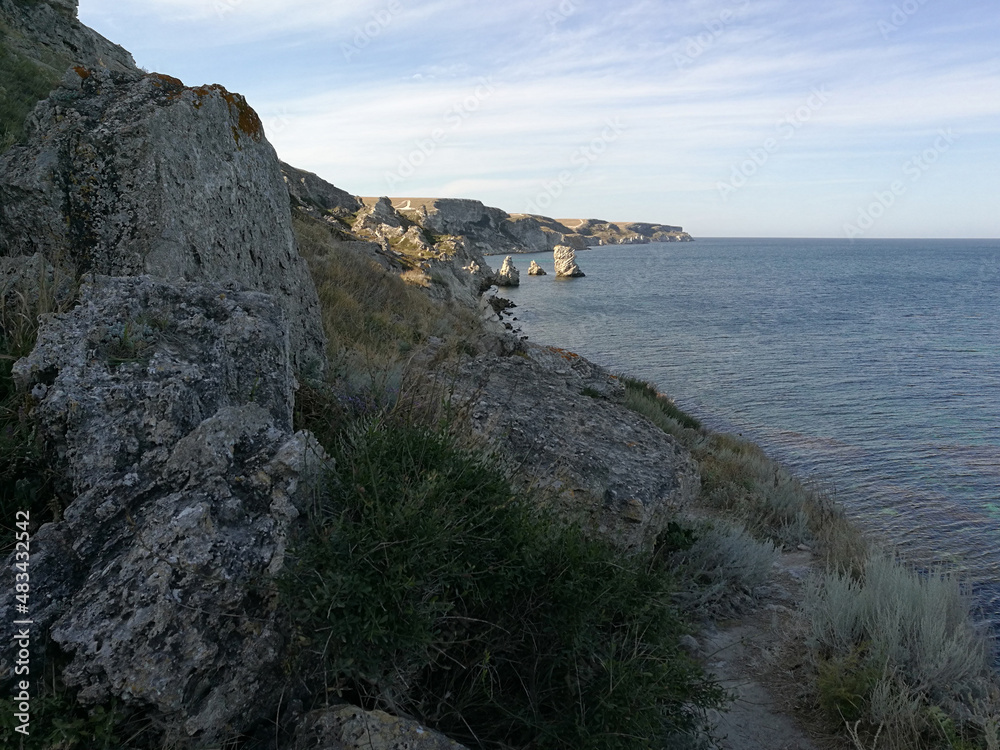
{"points": [[104, 185], [599, 232], [38, 42], [492, 231], [50, 33]]}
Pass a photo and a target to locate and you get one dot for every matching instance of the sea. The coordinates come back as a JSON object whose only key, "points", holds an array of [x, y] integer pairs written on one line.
{"points": [[869, 367]]}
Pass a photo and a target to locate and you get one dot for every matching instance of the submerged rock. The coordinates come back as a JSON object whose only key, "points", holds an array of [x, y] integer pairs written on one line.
{"points": [[508, 275], [565, 260], [536, 270], [169, 411]]}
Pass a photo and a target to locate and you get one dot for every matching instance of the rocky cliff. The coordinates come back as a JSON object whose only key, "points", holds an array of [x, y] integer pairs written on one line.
{"points": [[164, 398], [492, 231], [38, 42], [104, 185]]}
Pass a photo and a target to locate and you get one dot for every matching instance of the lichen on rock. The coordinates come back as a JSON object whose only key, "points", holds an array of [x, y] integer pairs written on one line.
{"points": [[183, 481], [126, 174]]}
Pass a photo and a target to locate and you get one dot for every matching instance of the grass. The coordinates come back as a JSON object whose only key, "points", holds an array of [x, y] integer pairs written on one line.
{"points": [[427, 586], [373, 320], [26, 480]]}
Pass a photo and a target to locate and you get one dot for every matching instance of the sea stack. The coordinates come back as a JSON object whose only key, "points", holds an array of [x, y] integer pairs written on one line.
{"points": [[536, 270], [565, 258], [508, 274]]}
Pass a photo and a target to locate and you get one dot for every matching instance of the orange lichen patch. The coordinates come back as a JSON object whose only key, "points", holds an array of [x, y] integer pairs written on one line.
{"points": [[172, 86], [567, 355], [247, 121], [82, 72]]}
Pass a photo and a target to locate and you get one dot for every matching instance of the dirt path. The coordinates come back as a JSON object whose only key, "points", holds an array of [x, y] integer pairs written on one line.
{"points": [[753, 658]]}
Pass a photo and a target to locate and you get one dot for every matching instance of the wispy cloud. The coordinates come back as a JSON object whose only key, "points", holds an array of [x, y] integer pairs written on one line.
{"points": [[700, 83]]}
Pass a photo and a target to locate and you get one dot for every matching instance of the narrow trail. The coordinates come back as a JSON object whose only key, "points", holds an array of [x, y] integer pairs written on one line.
{"points": [[756, 660]]}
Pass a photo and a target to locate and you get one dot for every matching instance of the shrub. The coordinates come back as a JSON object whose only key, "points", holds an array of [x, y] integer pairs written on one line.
{"points": [[721, 572], [427, 587], [899, 647]]}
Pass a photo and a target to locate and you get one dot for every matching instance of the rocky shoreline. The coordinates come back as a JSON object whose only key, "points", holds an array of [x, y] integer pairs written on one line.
{"points": [[166, 336]]}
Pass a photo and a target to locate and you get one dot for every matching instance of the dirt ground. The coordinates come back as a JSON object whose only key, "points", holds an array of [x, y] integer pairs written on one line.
{"points": [[759, 659]]}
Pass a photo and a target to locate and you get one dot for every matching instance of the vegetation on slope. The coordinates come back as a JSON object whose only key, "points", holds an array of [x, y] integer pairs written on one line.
{"points": [[897, 659], [427, 586], [24, 83]]}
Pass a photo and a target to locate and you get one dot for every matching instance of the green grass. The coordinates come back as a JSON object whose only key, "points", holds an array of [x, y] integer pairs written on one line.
{"points": [[427, 586]]}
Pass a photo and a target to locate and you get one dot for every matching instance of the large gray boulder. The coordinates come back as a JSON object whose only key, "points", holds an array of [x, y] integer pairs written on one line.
{"points": [[559, 419], [127, 174], [169, 411]]}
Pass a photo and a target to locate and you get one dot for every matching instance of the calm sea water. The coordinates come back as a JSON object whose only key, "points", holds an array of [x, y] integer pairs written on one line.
{"points": [[872, 367]]}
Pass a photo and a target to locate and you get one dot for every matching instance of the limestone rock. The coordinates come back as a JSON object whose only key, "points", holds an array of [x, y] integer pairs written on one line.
{"points": [[536, 270], [312, 190], [352, 728], [508, 275], [168, 409], [127, 174], [560, 420], [565, 260], [50, 33], [535, 236], [380, 216]]}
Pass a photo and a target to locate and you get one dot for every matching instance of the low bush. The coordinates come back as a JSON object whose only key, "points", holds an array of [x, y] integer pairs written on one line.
{"points": [[721, 571], [896, 651], [427, 587]]}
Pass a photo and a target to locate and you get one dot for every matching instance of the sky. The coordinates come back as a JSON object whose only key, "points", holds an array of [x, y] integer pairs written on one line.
{"points": [[733, 118]]}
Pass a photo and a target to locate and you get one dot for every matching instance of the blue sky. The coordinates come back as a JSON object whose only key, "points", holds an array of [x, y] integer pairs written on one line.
{"points": [[730, 117]]}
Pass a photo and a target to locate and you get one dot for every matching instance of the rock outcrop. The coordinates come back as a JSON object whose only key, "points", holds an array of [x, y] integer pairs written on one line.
{"points": [[309, 189], [558, 418], [105, 185], [169, 410], [536, 270], [50, 34], [508, 275], [565, 260], [351, 728]]}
